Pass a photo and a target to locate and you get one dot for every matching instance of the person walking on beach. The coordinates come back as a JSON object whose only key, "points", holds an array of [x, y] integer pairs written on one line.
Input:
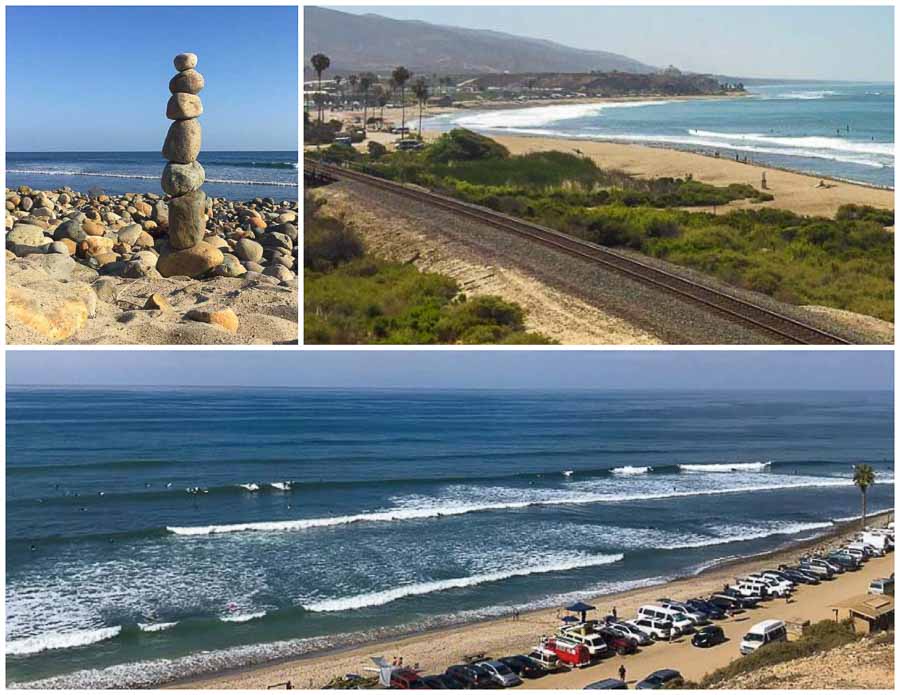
{"points": [[516, 615], [615, 615], [622, 673], [764, 184]]}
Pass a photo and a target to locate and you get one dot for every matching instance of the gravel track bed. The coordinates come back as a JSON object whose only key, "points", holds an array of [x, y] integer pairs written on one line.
{"points": [[674, 321]]}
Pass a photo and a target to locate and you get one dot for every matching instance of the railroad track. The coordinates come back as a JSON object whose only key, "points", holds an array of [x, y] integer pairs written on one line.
{"points": [[786, 328]]}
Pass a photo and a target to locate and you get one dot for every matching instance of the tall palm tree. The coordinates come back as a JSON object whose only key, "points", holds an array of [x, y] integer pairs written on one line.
{"points": [[365, 84], [320, 63], [420, 89], [863, 478], [353, 79], [337, 83], [401, 76], [382, 101]]}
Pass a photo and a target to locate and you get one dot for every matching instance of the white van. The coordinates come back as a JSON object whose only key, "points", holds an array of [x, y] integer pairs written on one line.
{"points": [[654, 629], [595, 643], [763, 633], [680, 622]]}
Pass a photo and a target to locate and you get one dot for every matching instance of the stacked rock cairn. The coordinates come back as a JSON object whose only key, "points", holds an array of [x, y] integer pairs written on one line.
{"points": [[183, 176]]}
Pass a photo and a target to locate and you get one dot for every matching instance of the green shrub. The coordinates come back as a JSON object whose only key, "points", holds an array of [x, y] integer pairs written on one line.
{"points": [[461, 145]]}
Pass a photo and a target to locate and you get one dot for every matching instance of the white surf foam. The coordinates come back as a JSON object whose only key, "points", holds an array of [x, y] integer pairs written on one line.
{"points": [[810, 142], [242, 617], [405, 514], [724, 467], [281, 486], [59, 640], [250, 487], [631, 470], [379, 598], [543, 115], [156, 627]]}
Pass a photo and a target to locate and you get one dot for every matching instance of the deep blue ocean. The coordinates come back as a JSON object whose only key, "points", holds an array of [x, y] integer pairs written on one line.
{"points": [[842, 130], [232, 175], [159, 533]]}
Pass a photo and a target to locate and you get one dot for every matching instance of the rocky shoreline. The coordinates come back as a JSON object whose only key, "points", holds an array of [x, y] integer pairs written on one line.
{"points": [[83, 268]]}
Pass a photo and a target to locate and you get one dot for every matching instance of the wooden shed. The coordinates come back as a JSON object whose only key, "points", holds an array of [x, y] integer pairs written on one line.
{"points": [[869, 613]]}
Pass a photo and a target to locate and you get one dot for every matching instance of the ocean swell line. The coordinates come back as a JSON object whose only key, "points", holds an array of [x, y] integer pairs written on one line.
{"points": [[380, 598], [59, 640], [407, 514], [143, 177]]}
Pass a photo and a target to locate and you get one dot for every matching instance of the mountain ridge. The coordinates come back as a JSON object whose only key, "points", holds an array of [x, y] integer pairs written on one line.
{"points": [[371, 42]]}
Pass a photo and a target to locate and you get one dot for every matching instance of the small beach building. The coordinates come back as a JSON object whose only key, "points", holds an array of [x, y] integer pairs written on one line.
{"points": [[868, 613]]}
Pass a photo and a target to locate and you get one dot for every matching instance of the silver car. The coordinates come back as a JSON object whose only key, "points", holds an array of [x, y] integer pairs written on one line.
{"points": [[501, 674]]}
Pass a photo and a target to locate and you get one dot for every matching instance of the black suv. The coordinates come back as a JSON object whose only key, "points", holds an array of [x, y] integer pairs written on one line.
{"points": [[708, 636]]}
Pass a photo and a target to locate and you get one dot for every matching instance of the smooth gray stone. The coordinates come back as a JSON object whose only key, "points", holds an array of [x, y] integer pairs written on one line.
{"points": [[178, 179], [186, 223]]}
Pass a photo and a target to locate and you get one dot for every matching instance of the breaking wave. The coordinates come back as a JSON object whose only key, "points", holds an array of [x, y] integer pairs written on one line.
{"points": [[59, 640], [724, 467]]}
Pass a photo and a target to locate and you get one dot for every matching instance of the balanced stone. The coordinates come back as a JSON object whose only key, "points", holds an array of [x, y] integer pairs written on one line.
{"points": [[185, 61], [187, 225], [178, 179], [182, 143], [182, 106], [188, 82]]}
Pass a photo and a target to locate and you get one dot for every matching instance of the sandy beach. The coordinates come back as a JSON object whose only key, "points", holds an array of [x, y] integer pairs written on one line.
{"points": [[800, 193], [436, 650]]}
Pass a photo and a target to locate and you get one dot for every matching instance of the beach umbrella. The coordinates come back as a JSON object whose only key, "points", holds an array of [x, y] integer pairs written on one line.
{"points": [[581, 607]]}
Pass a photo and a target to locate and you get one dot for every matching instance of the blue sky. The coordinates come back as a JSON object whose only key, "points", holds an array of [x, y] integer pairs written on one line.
{"points": [[814, 42], [96, 78], [633, 369]]}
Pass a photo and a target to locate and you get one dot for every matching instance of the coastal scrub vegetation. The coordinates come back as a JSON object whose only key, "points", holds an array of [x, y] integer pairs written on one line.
{"points": [[818, 638], [844, 263], [352, 297]]}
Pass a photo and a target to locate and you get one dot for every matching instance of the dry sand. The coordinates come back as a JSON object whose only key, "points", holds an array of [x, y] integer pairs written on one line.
{"points": [[438, 649]]}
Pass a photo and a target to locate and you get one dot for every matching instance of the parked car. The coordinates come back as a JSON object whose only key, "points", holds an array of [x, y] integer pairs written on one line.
{"points": [[523, 666], [746, 601], [501, 674], [882, 586], [712, 611], [626, 630], [617, 642], [442, 682], [696, 617], [545, 658], [607, 684], [405, 145], [708, 636], [472, 675], [660, 679], [732, 604], [583, 634], [406, 679], [763, 633], [680, 622], [846, 560], [654, 629], [795, 574]]}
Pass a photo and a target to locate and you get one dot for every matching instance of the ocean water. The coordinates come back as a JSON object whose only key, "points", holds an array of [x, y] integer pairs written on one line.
{"points": [[160, 533], [232, 175], [802, 127]]}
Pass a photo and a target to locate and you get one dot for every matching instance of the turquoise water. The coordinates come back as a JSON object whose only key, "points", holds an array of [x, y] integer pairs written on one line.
{"points": [[177, 531], [844, 131]]}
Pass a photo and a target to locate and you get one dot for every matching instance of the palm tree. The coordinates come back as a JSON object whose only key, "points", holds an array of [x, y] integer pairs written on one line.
{"points": [[353, 79], [337, 83], [420, 89], [365, 84], [863, 478], [382, 102], [320, 63], [401, 76]]}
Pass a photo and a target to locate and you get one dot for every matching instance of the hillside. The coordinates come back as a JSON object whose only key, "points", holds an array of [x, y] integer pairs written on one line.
{"points": [[867, 664], [369, 42]]}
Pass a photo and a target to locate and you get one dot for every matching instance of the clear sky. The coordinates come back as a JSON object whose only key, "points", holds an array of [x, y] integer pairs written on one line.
{"points": [[96, 78], [814, 42], [633, 369]]}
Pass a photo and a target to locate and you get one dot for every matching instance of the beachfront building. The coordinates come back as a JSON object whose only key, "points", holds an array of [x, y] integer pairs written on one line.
{"points": [[868, 613]]}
